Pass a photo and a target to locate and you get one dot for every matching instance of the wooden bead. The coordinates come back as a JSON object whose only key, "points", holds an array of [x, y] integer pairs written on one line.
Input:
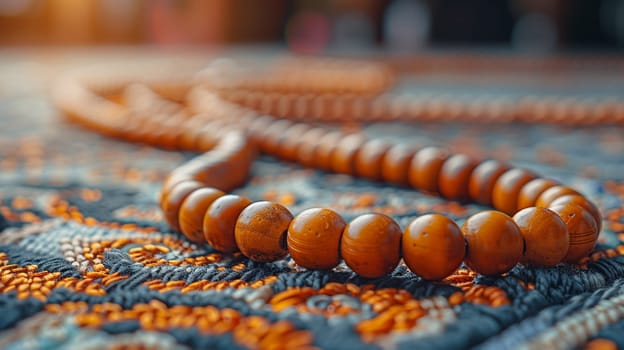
{"points": [[343, 157], [240, 156], [306, 149], [209, 134], [482, 180], [582, 230], [130, 128], [370, 245], [169, 134], [395, 164], [172, 180], [149, 130], [325, 149], [425, 169], [220, 221], [454, 177], [583, 202], [172, 200], [532, 190], [548, 196], [369, 159], [258, 126], [188, 138], [507, 188], [283, 106], [193, 209], [314, 238], [495, 244], [289, 141], [215, 171], [271, 136], [545, 236], [260, 231], [433, 246]]}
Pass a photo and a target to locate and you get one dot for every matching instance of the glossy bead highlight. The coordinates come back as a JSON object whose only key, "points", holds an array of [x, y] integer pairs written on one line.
{"points": [[371, 245], [495, 243], [314, 238], [433, 246], [482, 180], [260, 231], [545, 236], [582, 230], [172, 200], [583, 202], [454, 177], [220, 221], [548, 196], [532, 190], [425, 169], [507, 188], [193, 209]]}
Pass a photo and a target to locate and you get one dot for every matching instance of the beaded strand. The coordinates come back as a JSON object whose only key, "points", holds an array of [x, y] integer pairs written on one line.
{"points": [[551, 223]]}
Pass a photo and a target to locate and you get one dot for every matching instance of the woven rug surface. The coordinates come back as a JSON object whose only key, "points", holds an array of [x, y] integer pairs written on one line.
{"points": [[86, 260]]}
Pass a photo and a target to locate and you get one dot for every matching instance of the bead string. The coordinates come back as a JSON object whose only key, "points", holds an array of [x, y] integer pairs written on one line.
{"points": [[218, 114]]}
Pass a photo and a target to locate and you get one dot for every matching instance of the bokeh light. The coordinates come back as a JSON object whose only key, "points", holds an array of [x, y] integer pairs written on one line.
{"points": [[306, 26]]}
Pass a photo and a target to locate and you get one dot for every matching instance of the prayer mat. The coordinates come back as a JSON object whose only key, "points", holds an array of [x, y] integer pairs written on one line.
{"points": [[87, 261]]}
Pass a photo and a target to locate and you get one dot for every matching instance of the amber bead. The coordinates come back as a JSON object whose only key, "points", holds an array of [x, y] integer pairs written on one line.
{"points": [[260, 231], [146, 131], [208, 135], [290, 140], [258, 126], [545, 236], [240, 159], [582, 230], [212, 172], [187, 139], [583, 202], [425, 169], [532, 190], [172, 200], [325, 149], [271, 136], [433, 246], [395, 164], [371, 245], [220, 220], [548, 196], [167, 135], [192, 212], [454, 177], [507, 188], [171, 181], [495, 243], [314, 238], [128, 130], [369, 159], [343, 157], [482, 180], [306, 148]]}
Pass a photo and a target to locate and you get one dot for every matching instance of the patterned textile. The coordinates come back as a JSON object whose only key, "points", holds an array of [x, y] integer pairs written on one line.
{"points": [[86, 260]]}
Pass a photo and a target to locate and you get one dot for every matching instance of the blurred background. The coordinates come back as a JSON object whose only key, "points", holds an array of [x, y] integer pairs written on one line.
{"points": [[311, 26]]}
